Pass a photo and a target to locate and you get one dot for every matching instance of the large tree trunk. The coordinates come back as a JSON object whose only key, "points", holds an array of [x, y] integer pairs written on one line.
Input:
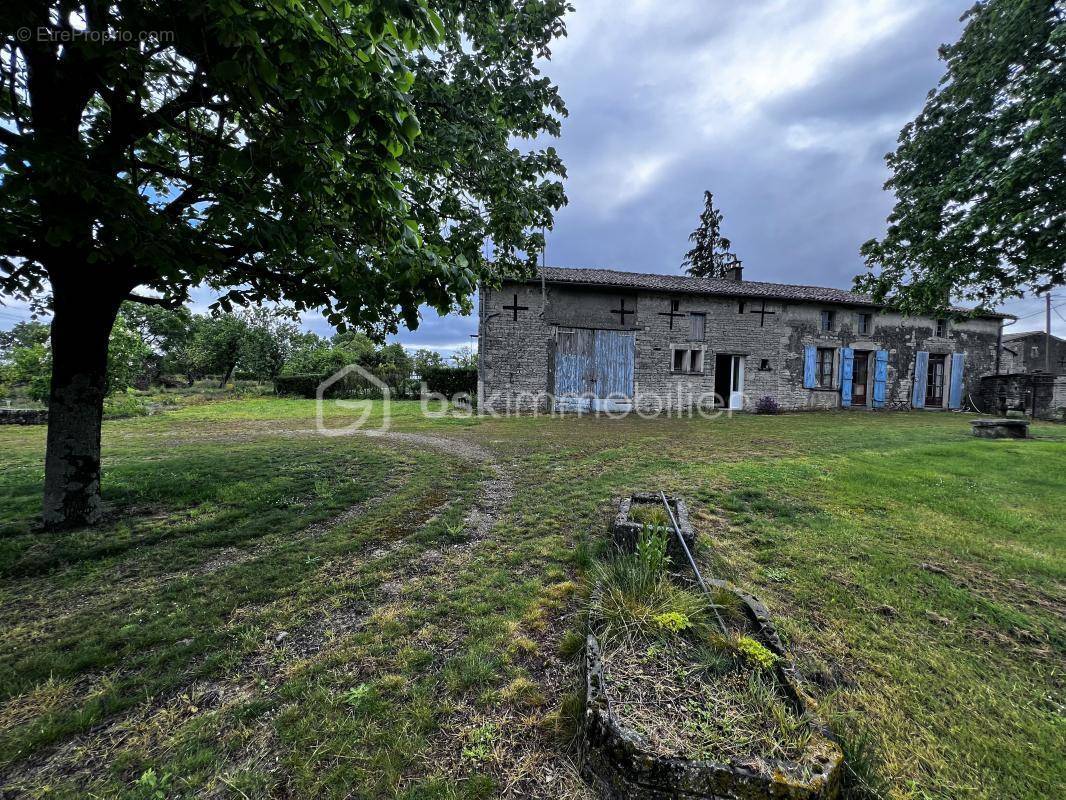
{"points": [[81, 327]]}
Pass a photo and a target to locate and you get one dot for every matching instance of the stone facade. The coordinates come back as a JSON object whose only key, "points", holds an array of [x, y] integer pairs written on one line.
{"points": [[1041, 396], [520, 324], [1025, 352]]}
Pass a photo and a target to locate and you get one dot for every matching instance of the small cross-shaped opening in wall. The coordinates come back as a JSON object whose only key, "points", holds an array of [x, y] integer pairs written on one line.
{"points": [[514, 307], [675, 305], [762, 312], [622, 311]]}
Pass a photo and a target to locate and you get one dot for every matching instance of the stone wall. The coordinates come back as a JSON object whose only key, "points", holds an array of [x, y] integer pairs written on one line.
{"points": [[517, 355], [1040, 395], [23, 416]]}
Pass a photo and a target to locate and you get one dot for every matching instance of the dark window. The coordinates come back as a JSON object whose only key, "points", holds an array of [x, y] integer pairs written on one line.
{"points": [[825, 367], [688, 360], [741, 307], [941, 327], [862, 323], [764, 365], [827, 320], [697, 324]]}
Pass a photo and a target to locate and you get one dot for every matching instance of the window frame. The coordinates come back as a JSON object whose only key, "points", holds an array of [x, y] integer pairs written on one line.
{"points": [[941, 329], [686, 352], [820, 363], [692, 317], [863, 322], [827, 321]]}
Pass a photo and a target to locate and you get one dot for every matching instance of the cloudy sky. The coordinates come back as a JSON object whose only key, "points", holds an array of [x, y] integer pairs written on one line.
{"points": [[783, 109]]}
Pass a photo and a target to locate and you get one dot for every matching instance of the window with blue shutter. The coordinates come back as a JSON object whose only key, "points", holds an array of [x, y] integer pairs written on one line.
{"points": [[921, 376], [847, 373], [809, 355], [958, 361], [880, 378]]}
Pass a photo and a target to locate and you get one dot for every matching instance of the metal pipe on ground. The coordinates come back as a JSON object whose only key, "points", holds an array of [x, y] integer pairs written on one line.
{"points": [[692, 562]]}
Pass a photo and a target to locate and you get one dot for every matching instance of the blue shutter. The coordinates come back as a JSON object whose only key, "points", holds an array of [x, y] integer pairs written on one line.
{"points": [[958, 361], [880, 377], [921, 375], [847, 372], [810, 353]]}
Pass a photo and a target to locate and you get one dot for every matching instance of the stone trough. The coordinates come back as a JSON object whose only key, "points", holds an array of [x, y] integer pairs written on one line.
{"points": [[1000, 428], [620, 763], [625, 532]]}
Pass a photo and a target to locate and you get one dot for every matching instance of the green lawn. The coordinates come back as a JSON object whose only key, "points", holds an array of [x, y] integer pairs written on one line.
{"points": [[270, 612]]}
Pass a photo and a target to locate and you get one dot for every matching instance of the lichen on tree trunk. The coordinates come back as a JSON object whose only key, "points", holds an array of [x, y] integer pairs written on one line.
{"points": [[81, 327]]}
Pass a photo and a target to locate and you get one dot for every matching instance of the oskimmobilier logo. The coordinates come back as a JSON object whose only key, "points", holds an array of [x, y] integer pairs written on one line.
{"points": [[366, 407]]}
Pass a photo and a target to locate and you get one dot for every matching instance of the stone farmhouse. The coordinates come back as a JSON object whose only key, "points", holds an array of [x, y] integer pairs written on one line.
{"points": [[598, 339]]}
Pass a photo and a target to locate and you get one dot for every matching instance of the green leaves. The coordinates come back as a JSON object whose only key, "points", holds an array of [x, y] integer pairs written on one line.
{"points": [[978, 176]]}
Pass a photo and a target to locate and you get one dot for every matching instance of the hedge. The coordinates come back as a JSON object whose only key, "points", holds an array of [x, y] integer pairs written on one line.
{"points": [[450, 381]]}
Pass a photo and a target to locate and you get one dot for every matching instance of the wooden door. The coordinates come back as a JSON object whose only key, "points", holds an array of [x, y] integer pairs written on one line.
{"points": [[575, 373], [614, 352], [859, 376]]}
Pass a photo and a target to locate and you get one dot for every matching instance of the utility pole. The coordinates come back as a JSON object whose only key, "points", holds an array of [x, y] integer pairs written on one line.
{"points": [[1047, 337]]}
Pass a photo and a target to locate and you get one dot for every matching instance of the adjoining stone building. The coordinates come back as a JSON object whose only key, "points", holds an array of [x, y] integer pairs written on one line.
{"points": [[1028, 351], [608, 340]]}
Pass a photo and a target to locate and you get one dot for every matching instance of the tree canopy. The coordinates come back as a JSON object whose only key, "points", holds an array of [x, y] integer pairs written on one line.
{"points": [[979, 176], [710, 256], [346, 157], [350, 157]]}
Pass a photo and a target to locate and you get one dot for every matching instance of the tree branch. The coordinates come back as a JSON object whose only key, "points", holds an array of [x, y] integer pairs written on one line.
{"points": [[163, 302]]}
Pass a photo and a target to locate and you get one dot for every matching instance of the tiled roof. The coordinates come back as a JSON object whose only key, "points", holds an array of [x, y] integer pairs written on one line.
{"points": [[1009, 337], [710, 286]]}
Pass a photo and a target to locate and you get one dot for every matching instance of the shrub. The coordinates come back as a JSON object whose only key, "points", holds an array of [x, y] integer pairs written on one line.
{"points": [[298, 385], [766, 405], [450, 381], [125, 404]]}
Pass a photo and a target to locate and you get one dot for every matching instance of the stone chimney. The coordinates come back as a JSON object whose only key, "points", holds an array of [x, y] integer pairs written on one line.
{"points": [[734, 272]]}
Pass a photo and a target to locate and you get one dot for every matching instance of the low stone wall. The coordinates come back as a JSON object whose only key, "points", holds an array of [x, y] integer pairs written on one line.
{"points": [[1040, 395], [23, 416]]}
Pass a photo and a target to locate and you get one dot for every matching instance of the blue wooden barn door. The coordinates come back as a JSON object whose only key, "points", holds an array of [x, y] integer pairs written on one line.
{"points": [[880, 377], [614, 355], [575, 373]]}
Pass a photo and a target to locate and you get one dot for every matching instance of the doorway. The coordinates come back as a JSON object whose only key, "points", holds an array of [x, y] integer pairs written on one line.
{"points": [[934, 385], [859, 376], [729, 381], [594, 370]]}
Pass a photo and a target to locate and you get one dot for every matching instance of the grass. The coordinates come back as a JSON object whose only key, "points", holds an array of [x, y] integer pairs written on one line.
{"points": [[271, 613]]}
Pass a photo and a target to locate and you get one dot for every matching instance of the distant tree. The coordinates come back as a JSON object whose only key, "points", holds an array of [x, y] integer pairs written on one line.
{"points": [[163, 329], [168, 332], [464, 357], [423, 360], [352, 157], [979, 178], [710, 255], [127, 360], [267, 341], [217, 344], [23, 334]]}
